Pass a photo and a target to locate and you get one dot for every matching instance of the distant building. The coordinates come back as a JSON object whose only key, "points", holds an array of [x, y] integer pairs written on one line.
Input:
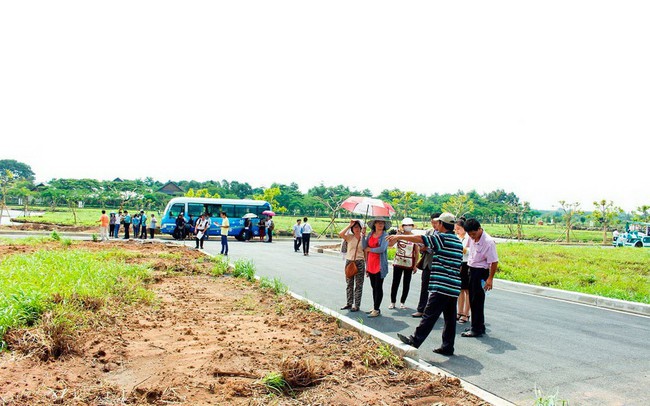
{"points": [[117, 180], [172, 189]]}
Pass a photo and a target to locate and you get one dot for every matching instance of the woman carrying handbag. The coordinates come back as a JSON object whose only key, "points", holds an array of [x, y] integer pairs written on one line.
{"points": [[354, 258]]}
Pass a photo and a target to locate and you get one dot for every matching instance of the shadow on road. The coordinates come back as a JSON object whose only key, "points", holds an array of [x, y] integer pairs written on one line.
{"points": [[470, 366]]}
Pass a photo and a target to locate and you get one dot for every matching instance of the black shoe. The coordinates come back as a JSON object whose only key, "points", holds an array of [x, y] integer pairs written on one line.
{"points": [[346, 307], [471, 333], [443, 351], [406, 340]]}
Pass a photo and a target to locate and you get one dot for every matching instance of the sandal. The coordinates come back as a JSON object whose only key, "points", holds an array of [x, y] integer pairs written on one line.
{"points": [[464, 319], [458, 316], [392, 306], [403, 306]]}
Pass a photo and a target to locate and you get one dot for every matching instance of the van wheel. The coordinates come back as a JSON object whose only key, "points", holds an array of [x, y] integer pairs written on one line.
{"points": [[240, 236], [638, 244]]}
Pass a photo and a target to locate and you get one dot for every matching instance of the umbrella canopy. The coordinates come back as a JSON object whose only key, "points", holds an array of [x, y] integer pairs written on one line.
{"points": [[268, 213], [368, 206], [249, 216]]}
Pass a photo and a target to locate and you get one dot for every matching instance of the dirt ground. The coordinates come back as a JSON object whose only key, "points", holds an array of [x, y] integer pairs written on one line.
{"points": [[211, 340]]}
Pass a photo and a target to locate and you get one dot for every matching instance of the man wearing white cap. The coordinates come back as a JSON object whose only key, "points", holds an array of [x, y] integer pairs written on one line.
{"points": [[444, 283]]}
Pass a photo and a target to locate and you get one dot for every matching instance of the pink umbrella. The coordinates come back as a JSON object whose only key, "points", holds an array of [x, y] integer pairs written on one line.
{"points": [[268, 213], [368, 206]]}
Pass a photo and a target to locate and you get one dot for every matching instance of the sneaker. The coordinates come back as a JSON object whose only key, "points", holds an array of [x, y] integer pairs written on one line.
{"points": [[392, 306], [374, 313]]}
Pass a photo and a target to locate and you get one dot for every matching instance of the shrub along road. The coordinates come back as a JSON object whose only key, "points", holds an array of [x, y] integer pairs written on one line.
{"points": [[591, 356]]}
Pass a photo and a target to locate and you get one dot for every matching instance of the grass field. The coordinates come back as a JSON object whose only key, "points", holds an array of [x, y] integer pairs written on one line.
{"points": [[620, 273], [65, 284]]}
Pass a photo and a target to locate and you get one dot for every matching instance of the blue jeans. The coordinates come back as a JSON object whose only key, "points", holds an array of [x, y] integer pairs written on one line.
{"points": [[117, 231], [224, 245]]}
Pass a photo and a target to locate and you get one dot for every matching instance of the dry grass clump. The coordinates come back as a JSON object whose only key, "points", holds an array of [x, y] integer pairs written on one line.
{"points": [[52, 338], [300, 373]]}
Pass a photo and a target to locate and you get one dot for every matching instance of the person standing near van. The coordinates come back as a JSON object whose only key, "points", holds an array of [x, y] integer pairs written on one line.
{"points": [[152, 226], [270, 226], [143, 225], [306, 235], [136, 226], [111, 226], [201, 230], [127, 224], [225, 226]]}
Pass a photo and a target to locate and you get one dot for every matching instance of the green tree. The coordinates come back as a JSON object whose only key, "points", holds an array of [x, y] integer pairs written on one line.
{"points": [[604, 213], [405, 203], [18, 169], [642, 213], [7, 181], [270, 195], [22, 190], [570, 213], [518, 212], [459, 205]]}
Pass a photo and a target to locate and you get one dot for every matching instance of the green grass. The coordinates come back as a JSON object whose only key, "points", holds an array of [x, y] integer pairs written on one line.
{"points": [[244, 269], [620, 273], [548, 233], [60, 281]]}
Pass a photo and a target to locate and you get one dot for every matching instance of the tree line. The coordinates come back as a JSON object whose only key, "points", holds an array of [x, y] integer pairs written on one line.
{"points": [[498, 206]]}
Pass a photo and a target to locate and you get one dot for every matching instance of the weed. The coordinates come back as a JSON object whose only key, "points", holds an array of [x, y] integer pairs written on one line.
{"points": [[548, 400], [244, 269], [95, 238], [66, 242], [247, 302], [220, 265], [275, 383], [274, 284], [55, 236], [382, 355], [279, 309]]}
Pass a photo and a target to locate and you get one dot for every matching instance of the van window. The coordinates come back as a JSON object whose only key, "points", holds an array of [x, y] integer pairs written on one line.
{"points": [[176, 209], [213, 209], [229, 209], [195, 209]]}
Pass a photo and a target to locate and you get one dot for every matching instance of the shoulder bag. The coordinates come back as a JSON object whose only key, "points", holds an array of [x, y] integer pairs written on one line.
{"points": [[351, 268]]}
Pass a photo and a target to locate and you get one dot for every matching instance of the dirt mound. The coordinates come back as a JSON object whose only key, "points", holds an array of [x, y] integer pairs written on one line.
{"points": [[27, 226], [216, 340]]}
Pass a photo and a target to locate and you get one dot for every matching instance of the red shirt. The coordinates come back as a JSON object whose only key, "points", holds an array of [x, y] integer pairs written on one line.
{"points": [[373, 266]]}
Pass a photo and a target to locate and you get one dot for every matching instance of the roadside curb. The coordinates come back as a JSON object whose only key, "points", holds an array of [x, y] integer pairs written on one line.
{"points": [[568, 296]]}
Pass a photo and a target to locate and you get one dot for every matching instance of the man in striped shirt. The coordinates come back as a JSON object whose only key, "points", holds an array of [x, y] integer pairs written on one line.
{"points": [[444, 283]]}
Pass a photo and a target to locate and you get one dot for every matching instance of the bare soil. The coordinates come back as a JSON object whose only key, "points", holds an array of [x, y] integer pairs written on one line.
{"points": [[211, 340]]}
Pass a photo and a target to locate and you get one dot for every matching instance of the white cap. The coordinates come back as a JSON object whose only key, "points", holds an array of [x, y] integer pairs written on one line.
{"points": [[407, 221], [446, 217]]}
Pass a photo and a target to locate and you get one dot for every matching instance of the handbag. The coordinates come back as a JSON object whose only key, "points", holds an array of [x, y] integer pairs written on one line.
{"points": [[351, 267]]}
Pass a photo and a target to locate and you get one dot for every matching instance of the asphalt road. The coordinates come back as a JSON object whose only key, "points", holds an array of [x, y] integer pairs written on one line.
{"points": [[589, 355]]}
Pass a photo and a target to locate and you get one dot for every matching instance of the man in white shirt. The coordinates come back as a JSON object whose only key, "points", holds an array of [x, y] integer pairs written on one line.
{"points": [[297, 236], [201, 230], [306, 235]]}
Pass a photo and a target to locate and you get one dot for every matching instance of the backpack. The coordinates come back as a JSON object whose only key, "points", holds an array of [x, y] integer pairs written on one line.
{"points": [[272, 226]]}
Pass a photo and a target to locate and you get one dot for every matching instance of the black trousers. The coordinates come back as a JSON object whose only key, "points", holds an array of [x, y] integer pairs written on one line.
{"points": [[438, 304], [424, 290], [152, 231], [126, 230], [477, 298], [397, 277], [296, 243], [305, 242], [143, 232], [200, 241], [377, 284]]}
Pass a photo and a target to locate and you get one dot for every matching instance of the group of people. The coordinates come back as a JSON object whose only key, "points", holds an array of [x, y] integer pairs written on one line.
{"points": [[302, 235], [457, 260], [199, 229], [110, 225]]}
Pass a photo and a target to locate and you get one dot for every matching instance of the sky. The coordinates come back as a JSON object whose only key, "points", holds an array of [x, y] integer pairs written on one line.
{"points": [[549, 100]]}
